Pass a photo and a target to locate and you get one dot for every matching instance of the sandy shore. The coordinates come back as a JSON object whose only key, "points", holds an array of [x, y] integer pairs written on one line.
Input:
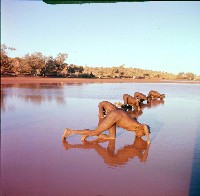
{"points": [[36, 80]]}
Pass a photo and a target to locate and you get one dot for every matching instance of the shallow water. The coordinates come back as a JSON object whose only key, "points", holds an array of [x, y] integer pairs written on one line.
{"points": [[34, 161]]}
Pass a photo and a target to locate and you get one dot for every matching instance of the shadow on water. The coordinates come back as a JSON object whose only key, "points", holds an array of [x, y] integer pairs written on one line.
{"points": [[139, 149], [195, 178]]}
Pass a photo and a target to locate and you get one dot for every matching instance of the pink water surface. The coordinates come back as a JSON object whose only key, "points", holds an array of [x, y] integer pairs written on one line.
{"points": [[34, 160]]}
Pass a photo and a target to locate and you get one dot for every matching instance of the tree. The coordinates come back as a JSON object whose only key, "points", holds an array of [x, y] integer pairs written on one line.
{"points": [[92, 75], [71, 69], [80, 69], [6, 62], [180, 75], [49, 68], [190, 76], [55, 66], [60, 59], [34, 63], [60, 63], [17, 65]]}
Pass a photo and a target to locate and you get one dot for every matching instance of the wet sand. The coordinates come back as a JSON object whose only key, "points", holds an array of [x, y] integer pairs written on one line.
{"points": [[37, 80]]}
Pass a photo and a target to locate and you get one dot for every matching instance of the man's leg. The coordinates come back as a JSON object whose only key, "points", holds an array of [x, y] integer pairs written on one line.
{"points": [[111, 147], [125, 98], [69, 132], [106, 124], [112, 131]]}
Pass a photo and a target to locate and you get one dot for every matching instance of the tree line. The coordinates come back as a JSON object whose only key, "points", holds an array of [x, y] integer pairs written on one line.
{"points": [[38, 65]]}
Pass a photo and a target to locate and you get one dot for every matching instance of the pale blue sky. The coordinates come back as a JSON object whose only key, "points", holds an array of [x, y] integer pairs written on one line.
{"points": [[160, 36]]}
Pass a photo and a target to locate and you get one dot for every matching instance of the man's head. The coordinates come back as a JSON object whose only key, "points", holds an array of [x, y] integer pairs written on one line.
{"points": [[162, 96], [149, 97], [148, 127], [144, 131]]}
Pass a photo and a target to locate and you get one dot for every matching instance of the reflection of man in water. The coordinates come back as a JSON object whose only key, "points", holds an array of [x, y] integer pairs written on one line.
{"points": [[138, 149], [113, 118], [156, 102], [152, 103]]}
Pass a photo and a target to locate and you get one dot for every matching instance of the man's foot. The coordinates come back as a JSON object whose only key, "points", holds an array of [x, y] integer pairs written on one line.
{"points": [[66, 133], [148, 142], [84, 137], [118, 105], [105, 137], [65, 144]]}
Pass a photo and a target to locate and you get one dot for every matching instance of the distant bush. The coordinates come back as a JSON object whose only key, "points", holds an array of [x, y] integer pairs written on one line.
{"points": [[86, 75], [185, 76]]}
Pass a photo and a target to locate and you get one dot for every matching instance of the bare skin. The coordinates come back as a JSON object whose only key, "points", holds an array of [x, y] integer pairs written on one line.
{"points": [[129, 100], [140, 97], [134, 113], [104, 108], [139, 149], [118, 105], [155, 95], [122, 106], [114, 118]]}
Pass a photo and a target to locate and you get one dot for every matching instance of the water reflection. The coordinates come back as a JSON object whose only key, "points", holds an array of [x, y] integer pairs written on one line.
{"points": [[33, 86], [151, 104], [32, 93], [139, 149], [156, 102], [38, 151]]}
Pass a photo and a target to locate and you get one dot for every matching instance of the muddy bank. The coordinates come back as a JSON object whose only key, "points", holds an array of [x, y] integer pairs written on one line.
{"points": [[35, 80]]}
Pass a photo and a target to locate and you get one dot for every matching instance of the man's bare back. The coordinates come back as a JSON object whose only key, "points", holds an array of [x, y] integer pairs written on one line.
{"points": [[140, 96], [155, 95], [105, 107], [129, 100]]}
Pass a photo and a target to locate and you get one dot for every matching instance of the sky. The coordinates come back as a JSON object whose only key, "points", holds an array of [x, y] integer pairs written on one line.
{"points": [[159, 36]]}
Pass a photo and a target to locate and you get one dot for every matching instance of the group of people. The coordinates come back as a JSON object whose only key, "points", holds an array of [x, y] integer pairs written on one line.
{"points": [[121, 115]]}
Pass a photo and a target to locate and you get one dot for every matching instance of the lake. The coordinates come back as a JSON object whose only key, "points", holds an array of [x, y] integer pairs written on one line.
{"points": [[34, 160]]}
